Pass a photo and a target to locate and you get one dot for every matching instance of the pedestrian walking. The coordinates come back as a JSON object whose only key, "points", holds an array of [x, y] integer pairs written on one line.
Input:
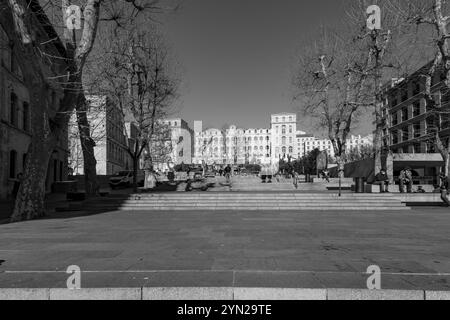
{"points": [[227, 172], [295, 179]]}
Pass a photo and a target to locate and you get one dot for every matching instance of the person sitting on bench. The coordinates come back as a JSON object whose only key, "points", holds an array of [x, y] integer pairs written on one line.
{"points": [[382, 179]]}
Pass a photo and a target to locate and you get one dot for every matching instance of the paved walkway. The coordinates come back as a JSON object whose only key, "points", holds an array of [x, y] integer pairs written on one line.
{"points": [[230, 249]]}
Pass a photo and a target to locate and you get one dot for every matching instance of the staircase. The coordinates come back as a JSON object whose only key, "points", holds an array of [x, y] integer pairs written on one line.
{"points": [[255, 184], [240, 201]]}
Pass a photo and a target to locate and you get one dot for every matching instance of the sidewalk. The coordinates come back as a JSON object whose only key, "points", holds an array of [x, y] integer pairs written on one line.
{"points": [[289, 249]]}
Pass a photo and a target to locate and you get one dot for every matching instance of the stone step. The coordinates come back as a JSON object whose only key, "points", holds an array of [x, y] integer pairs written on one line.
{"points": [[156, 203], [317, 208], [259, 201], [254, 195], [251, 201], [245, 204]]}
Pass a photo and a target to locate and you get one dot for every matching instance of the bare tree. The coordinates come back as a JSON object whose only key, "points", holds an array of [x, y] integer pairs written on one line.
{"points": [[332, 86], [382, 45], [139, 77], [48, 126]]}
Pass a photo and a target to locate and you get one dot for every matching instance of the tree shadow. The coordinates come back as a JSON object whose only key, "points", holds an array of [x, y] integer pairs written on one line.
{"points": [[77, 206]]}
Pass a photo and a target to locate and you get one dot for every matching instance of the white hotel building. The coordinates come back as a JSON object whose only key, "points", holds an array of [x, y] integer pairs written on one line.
{"points": [[260, 146]]}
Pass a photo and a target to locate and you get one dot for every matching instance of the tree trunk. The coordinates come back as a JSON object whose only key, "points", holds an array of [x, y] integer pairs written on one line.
{"points": [[446, 158], [31, 195], [390, 167], [135, 171], [377, 143], [92, 187]]}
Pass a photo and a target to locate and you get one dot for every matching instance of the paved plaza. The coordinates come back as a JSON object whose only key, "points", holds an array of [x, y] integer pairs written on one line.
{"points": [[284, 249]]}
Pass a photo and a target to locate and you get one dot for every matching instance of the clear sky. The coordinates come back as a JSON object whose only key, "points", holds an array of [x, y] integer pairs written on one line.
{"points": [[237, 55]]}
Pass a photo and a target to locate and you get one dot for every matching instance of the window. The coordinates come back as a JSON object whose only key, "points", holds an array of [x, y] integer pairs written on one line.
{"points": [[416, 109], [61, 167], [405, 135], [404, 94], [291, 150], [394, 101], [12, 164], [404, 114], [13, 110], [283, 140], [416, 88], [394, 137], [394, 119], [417, 148], [26, 116], [24, 161], [283, 150], [431, 125], [283, 130], [290, 129], [55, 170]]}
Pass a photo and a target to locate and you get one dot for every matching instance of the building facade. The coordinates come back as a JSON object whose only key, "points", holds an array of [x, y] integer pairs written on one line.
{"points": [[284, 136], [307, 143], [110, 136], [209, 145], [182, 141], [16, 110], [261, 146], [410, 123]]}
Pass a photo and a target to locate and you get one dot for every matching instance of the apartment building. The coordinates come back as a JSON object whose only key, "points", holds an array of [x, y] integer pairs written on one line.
{"points": [[15, 109]]}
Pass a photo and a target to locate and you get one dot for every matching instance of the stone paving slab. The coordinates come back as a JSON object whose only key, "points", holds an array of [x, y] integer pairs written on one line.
{"points": [[218, 293], [222, 249]]}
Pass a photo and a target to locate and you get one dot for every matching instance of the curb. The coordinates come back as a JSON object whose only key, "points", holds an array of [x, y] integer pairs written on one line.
{"points": [[217, 293]]}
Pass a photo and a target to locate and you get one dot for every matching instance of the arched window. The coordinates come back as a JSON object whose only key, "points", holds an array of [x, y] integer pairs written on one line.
{"points": [[26, 116], [24, 161], [291, 150], [12, 164], [13, 110], [283, 150]]}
